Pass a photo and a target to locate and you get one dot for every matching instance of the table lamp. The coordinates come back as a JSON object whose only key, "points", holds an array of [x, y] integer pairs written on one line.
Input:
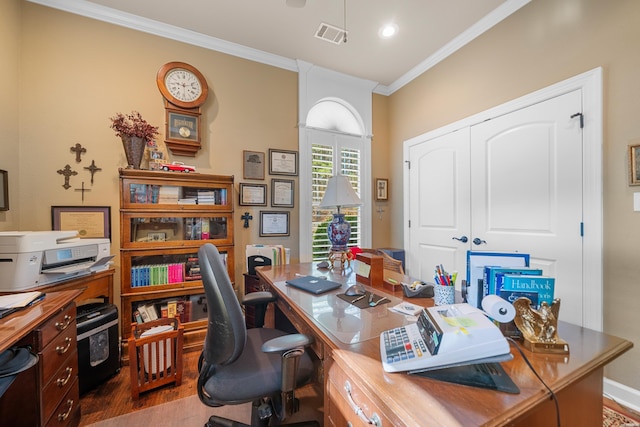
{"points": [[339, 193]]}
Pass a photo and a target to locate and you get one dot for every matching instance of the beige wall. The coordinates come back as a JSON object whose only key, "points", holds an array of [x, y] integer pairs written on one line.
{"points": [[380, 168], [10, 106], [77, 72], [545, 42]]}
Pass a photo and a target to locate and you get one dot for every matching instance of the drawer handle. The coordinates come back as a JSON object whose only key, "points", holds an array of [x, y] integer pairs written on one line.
{"points": [[374, 420], [63, 381], [65, 415], [61, 326], [62, 350]]}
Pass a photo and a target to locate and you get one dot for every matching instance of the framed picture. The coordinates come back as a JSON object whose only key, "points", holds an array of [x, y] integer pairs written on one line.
{"points": [[283, 162], [88, 221], [182, 126], [156, 236], [252, 165], [282, 193], [634, 164], [274, 224], [4, 191], [253, 194], [382, 189]]}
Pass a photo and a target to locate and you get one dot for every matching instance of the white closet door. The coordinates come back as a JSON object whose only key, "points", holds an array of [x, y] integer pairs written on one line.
{"points": [[526, 187], [439, 205]]}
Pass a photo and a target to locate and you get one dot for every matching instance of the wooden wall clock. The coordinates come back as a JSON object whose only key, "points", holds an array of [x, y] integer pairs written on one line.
{"points": [[184, 90]]}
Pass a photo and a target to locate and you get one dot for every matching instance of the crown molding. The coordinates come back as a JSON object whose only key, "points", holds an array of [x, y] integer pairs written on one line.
{"points": [[135, 22]]}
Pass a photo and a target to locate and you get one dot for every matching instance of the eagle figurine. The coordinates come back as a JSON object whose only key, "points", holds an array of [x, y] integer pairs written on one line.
{"points": [[537, 325]]}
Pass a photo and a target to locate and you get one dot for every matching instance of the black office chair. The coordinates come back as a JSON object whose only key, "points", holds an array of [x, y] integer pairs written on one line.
{"points": [[237, 365]]}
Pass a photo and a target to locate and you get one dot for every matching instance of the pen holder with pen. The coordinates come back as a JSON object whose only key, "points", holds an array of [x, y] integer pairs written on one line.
{"points": [[443, 295]]}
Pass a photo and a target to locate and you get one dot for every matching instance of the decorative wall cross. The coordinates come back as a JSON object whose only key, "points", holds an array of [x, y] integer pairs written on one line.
{"points": [[246, 217], [79, 151], [67, 172], [83, 190], [93, 169]]}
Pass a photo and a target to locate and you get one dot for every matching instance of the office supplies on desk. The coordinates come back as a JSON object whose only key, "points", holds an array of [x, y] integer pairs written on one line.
{"points": [[313, 284], [443, 336]]}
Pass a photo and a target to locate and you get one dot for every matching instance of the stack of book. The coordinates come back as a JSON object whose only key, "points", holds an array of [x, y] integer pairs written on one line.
{"points": [[168, 194]]}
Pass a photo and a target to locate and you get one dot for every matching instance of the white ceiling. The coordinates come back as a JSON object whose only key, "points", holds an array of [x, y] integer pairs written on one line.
{"points": [[269, 31]]}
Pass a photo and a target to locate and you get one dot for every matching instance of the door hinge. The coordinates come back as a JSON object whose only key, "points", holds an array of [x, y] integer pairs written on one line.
{"points": [[581, 119], [409, 223], [408, 164], [582, 229]]}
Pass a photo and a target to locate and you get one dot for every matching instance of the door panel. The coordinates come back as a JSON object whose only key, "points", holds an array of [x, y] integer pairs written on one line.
{"points": [[514, 183], [526, 186], [440, 210]]}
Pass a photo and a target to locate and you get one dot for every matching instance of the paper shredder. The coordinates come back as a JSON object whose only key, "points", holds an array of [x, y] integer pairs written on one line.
{"points": [[98, 344]]}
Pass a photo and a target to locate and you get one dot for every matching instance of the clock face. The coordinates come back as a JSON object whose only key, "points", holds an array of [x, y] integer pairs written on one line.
{"points": [[183, 85]]}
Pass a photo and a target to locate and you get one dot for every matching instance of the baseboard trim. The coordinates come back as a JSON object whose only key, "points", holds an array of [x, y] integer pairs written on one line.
{"points": [[622, 394]]}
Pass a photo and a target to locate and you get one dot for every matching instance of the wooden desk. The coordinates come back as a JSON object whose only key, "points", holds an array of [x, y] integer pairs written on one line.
{"points": [[399, 399], [94, 285], [48, 393]]}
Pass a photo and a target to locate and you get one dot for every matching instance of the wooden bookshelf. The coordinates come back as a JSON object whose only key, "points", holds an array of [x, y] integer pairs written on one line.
{"points": [[164, 219]]}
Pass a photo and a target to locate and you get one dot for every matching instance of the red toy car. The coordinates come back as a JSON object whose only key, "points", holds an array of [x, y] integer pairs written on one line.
{"points": [[178, 167]]}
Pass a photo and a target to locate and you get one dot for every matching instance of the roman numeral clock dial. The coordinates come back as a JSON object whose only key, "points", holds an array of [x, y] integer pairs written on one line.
{"points": [[184, 90]]}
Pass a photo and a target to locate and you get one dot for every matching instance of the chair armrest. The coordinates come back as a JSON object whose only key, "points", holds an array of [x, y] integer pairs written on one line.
{"points": [[255, 298], [286, 342]]}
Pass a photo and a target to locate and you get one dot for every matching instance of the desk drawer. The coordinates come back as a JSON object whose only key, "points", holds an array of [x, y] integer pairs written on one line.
{"points": [[59, 384], [67, 413], [54, 354], [343, 403], [301, 326], [63, 321]]}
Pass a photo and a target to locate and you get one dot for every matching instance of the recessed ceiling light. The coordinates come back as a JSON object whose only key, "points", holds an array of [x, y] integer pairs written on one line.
{"points": [[387, 31]]}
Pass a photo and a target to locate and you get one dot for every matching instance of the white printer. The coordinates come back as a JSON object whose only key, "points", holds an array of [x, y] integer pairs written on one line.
{"points": [[29, 259]]}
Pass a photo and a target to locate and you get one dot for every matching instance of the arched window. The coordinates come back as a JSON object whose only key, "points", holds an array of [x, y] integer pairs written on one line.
{"points": [[336, 146]]}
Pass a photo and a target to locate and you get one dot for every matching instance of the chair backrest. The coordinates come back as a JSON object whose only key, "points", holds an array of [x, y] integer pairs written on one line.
{"points": [[226, 331]]}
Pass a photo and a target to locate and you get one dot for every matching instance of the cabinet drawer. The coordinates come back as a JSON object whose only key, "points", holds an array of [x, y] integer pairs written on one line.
{"points": [[67, 413], [59, 384], [58, 350], [63, 321], [343, 404]]}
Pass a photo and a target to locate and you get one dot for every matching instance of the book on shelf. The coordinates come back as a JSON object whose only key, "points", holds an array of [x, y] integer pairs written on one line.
{"points": [[144, 314], [168, 194], [172, 309], [137, 317], [494, 275], [183, 309], [544, 286], [151, 311]]}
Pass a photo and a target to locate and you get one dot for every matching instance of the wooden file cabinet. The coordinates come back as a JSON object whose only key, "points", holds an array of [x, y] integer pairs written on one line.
{"points": [[47, 394]]}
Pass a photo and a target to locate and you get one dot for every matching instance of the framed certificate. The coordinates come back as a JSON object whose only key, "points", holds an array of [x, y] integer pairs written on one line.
{"points": [[283, 162], [282, 193], [88, 221], [252, 165], [274, 224], [253, 194]]}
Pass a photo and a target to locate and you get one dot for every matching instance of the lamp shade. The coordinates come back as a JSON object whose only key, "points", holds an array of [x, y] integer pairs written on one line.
{"points": [[339, 192]]}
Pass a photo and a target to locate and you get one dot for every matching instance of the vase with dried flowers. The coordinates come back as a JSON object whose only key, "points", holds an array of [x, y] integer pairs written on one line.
{"points": [[135, 132]]}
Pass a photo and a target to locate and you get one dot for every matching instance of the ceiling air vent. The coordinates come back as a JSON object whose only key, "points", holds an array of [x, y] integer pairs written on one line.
{"points": [[330, 33]]}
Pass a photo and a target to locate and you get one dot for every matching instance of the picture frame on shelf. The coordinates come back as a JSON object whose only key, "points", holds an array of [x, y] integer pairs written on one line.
{"points": [[274, 223], [89, 221], [4, 190], [252, 165], [182, 126], [283, 162], [382, 189], [282, 193], [253, 194], [634, 164]]}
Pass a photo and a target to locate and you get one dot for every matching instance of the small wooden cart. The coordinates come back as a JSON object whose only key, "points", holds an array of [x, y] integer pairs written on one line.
{"points": [[155, 354]]}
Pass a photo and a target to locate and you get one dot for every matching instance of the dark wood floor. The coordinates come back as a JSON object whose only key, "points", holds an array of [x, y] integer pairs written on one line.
{"points": [[113, 398]]}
